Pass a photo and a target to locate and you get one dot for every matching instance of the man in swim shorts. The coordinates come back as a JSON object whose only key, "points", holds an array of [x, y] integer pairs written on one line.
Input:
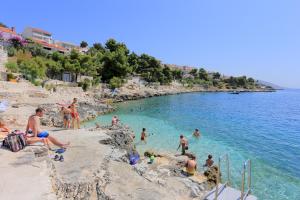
{"points": [[66, 116], [183, 143], [34, 131], [74, 113]]}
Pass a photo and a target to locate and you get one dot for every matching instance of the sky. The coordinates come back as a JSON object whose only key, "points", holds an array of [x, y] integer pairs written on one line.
{"points": [[256, 38]]}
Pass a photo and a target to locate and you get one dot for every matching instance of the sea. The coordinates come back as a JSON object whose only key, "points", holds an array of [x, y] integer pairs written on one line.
{"points": [[261, 126]]}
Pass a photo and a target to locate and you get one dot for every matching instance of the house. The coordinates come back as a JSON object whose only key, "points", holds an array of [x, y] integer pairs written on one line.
{"points": [[44, 38], [38, 34], [8, 33], [67, 45]]}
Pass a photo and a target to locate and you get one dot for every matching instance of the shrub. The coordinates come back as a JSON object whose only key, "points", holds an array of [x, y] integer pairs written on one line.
{"points": [[11, 51], [10, 76], [115, 82], [85, 84], [12, 66]]}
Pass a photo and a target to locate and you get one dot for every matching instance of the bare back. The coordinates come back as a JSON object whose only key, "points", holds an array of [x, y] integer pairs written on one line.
{"points": [[34, 125]]}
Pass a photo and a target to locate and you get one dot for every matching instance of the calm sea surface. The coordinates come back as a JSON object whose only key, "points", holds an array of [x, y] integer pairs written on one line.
{"points": [[263, 127]]}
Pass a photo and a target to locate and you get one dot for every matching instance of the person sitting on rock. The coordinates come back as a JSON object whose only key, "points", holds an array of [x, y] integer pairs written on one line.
{"points": [[191, 166], [209, 161], [35, 134]]}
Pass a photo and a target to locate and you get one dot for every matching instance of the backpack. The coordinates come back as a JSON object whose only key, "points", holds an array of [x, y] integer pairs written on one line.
{"points": [[15, 141]]}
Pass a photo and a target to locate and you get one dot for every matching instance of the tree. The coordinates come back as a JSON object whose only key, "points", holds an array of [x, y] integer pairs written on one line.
{"points": [[35, 49], [33, 69], [193, 72], [115, 82], [113, 45], [53, 68], [216, 75], [167, 75], [133, 61], [203, 74], [115, 64], [177, 74], [251, 80], [98, 47], [83, 44]]}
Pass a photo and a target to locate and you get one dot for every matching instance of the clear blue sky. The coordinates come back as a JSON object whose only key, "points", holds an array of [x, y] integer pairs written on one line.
{"points": [[258, 38]]}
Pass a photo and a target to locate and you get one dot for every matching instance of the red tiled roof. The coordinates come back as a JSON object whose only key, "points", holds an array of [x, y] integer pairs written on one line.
{"points": [[7, 30], [41, 31], [45, 44]]}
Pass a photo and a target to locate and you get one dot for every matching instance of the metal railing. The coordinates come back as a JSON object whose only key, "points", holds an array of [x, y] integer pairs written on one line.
{"points": [[246, 168], [227, 183]]}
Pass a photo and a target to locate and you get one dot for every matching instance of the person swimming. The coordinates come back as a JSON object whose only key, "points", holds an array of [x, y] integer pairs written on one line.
{"points": [[196, 133]]}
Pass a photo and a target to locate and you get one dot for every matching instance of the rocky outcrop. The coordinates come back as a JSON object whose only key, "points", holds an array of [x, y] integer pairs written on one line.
{"points": [[87, 111]]}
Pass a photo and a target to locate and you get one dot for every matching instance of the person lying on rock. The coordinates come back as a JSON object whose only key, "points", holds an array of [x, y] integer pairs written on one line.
{"points": [[35, 134]]}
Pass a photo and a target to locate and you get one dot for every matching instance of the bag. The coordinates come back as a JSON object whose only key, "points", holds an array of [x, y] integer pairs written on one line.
{"points": [[15, 141]]}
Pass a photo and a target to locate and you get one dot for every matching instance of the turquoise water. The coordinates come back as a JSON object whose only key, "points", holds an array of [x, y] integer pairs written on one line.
{"points": [[264, 127]]}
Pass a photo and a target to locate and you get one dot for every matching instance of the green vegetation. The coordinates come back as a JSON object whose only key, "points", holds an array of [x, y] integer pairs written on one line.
{"points": [[111, 63]]}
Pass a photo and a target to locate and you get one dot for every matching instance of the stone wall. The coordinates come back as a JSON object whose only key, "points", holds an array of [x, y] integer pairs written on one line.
{"points": [[3, 60]]}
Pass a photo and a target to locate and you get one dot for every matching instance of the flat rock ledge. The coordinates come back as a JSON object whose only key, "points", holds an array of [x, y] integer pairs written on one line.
{"points": [[96, 167]]}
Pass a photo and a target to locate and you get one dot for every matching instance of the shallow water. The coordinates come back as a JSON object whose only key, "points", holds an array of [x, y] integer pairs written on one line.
{"points": [[264, 127]]}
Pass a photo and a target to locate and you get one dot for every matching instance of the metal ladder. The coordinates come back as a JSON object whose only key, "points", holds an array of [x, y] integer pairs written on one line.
{"points": [[246, 169]]}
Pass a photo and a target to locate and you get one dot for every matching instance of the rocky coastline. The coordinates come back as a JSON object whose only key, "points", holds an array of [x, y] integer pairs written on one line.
{"points": [[96, 165]]}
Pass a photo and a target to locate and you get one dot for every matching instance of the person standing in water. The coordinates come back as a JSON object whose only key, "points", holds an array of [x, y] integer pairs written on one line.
{"points": [[114, 120], [183, 143], [143, 135], [196, 133]]}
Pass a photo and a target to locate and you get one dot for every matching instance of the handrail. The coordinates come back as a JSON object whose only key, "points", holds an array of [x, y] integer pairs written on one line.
{"points": [[226, 157], [246, 167]]}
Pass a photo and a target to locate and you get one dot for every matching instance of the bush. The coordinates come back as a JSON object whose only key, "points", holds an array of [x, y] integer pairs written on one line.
{"points": [[11, 51], [10, 76], [85, 84], [12, 66], [115, 82], [96, 81]]}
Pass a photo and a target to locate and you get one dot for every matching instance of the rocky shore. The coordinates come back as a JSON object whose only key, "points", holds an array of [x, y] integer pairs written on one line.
{"points": [[96, 165]]}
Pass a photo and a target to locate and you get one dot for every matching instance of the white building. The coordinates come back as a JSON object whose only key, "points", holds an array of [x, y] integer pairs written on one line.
{"points": [[38, 34]]}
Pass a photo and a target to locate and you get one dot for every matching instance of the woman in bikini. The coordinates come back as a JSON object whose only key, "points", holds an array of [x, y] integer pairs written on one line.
{"points": [[74, 113]]}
